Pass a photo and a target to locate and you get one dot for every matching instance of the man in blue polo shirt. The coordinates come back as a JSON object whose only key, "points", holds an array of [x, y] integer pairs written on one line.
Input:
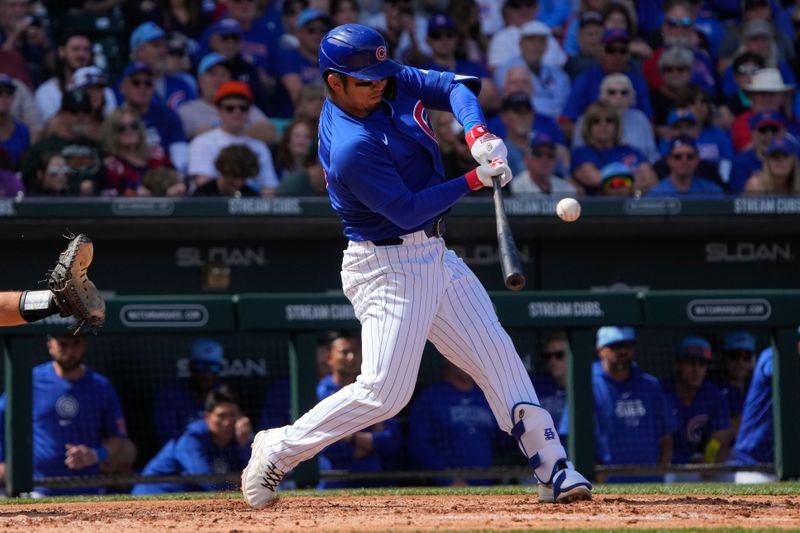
{"points": [[699, 408], [682, 160], [633, 422]]}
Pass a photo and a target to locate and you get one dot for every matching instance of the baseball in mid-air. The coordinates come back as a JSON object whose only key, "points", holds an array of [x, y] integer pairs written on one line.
{"points": [[568, 209]]}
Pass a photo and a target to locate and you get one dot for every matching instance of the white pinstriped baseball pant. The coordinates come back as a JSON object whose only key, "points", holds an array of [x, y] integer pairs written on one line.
{"points": [[403, 295]]}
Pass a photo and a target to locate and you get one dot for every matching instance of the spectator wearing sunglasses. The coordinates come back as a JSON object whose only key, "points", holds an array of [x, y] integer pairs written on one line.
{"points": [[682, 160], [683, 122], [738, 361], [181, 401], [617, 180], [633, 421], [767, 91], [781, 172], [162, 124], [766, 13], [233, 100], [637, 132], [586, 88], [602, 131], [51, 177], [588, 44], [550, 383], [766, 126], [538, 176], [619, 16], [700, 410], [744, 66], [675, 66], [14, 135], [679, 30], [713, 143], [300, 66]]}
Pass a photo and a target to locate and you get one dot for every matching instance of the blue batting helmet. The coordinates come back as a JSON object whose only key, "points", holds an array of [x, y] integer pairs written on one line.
{"points": [[357, 51]]}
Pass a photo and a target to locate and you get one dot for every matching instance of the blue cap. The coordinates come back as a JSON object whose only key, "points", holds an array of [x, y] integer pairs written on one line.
{"points": [[310, 14], [694, 347], [608, 335], [135, 68], [207, 352], [145, 33], [678, 115], [226, 26], [440, 21], [765, 118], [613, 170], [540, 138], [6, 80], [739, 340], [682, 140], [609, 36], [784, 143], [209, 61]]}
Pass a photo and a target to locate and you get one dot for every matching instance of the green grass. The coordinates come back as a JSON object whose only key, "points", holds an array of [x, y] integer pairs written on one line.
{"points": [[678, 489]]}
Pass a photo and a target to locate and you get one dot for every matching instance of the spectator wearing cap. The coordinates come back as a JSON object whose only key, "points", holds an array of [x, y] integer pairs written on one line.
{"points": [[14, 135], [765, 126], [781, 172], [679, 30], [617, 180], [102, 98], [148, 45], [181, 401], [66, 129], [551, 84], [675, 66], [633, 421], [225, 38], [744, 66], [520, 120], [300, 66], [738, 361], [702, 414], [683, 122], [602, 131], [201, 115], [755, 441], [404, 30], [504, 43], [162, 124], [618, 16], [713, 143], [442, 40], [586, 88], [585, 52], [74, 52], [637, 132], [233, 101], [762, 20], [768, 92], [682, 180], [538, 177]]}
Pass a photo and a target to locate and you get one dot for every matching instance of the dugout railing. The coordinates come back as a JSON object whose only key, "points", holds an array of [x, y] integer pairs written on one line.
{"points": [[302, 316]]}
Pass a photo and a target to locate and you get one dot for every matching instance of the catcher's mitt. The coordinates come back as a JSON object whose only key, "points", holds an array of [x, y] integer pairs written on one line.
{"points": [[72, 290]]}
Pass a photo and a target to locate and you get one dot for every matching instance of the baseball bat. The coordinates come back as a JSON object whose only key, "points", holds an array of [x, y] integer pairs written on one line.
{"points": [[510, 262]]}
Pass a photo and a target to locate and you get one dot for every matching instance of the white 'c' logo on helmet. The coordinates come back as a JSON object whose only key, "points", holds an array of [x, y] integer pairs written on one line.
{"points": [[380, 53]]}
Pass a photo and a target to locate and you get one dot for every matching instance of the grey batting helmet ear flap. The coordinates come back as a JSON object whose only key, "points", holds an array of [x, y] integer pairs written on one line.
{"points": [[357, 51]]}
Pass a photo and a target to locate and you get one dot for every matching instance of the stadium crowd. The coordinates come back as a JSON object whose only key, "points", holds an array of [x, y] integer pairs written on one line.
{"points": [[593, 97]]}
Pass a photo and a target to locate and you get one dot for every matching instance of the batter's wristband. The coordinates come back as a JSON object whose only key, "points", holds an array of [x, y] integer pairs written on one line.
{"points": [[475, 132], [473, 182], [102, 454], [36, 305]]}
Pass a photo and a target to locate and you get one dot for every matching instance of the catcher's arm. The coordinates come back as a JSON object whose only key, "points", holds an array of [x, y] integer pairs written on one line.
{"points": [[70, 293]]}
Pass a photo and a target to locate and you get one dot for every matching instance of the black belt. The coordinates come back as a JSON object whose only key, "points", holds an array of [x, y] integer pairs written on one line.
{"points": [[436, 230]]}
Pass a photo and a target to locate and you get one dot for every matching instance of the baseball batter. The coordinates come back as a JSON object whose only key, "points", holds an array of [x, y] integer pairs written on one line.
{"points": [[385, 180]]}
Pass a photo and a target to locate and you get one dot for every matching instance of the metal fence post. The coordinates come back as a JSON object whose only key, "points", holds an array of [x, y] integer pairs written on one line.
{"points": [[785, 400], [580, 401], [303, 375], [18, 425]]}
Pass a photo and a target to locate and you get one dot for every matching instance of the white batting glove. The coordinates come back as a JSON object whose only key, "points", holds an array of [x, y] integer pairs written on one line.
{"points": [[482, 175], [485, 146]]}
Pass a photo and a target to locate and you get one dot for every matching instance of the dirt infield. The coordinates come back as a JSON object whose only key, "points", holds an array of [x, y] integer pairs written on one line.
{"points": [[404, 513]]}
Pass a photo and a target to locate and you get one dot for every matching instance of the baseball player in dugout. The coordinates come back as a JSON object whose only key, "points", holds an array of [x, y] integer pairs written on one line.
{"points": [[385, 181], [69, 293]]}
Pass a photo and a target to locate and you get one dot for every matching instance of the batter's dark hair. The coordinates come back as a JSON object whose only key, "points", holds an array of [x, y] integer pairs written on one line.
{"points": [[218, 395], [237, 161]]}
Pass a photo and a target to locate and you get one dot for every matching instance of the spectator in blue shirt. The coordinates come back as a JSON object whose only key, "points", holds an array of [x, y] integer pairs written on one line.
{"points": [[452, 426], [183, 401], [633, 421], [682, 160], [298, 66], [14, 136], [550, 384], [219, 443], [701, 413], [366, 450], [781, 172], [765, 126]]}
